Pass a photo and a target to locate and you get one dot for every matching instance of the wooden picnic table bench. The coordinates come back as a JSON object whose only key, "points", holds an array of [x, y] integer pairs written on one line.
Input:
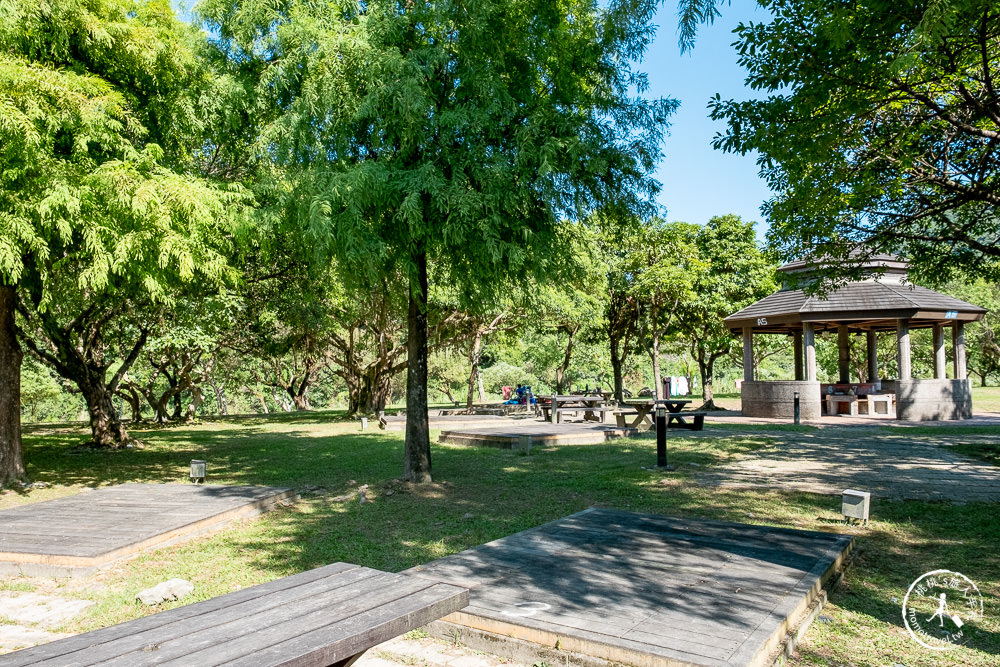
{"points": [[676, 418], [328, 616], [591, 406]]}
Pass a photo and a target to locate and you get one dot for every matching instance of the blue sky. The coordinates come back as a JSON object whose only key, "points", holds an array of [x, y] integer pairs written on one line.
{"points": [[699, 182]]}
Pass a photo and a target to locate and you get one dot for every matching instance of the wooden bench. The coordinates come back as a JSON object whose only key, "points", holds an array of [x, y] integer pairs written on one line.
{"points": [[589, 413], [328, 616], [621, 418], [679, 420]]}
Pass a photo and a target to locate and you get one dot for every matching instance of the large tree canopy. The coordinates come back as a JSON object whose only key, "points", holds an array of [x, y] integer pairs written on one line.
{"points": [[458, 133], [880, 129], [99, 215]]}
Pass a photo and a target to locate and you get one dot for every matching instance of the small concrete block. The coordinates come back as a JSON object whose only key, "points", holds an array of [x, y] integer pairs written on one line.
{"points": [[855, 504]]}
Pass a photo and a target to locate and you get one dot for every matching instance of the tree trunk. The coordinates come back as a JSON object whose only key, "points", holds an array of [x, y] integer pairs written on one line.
{"points": [[657, 378], [474, 353], [616, 367], [280, 401], [105, 426], [131, 396], [564, 366], [221, 402], [159, 405], [300, 394], [371, 394], [11, 455], [417, 463], [259, 395], [707, 369], [197, 398], [178, 407]]}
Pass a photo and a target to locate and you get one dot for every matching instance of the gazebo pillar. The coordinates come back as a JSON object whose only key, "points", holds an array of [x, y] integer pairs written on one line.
{"points": [[809, 343], [958, 349], [843, 353], [797, 348], [871, 352], [939, 358], [748, 354], [903, 349]]}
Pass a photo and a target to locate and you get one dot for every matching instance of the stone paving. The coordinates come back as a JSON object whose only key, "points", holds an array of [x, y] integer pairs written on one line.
{"points": [[889, 463], [27, 619]]}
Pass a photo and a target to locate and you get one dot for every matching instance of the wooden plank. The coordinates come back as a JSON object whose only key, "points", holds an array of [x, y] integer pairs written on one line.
{"points": [[240, 623], [360, 632], [63, 647], [339, 610], [252, 627]]}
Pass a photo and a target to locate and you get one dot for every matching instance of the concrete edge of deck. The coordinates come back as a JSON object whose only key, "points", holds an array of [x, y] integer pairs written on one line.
{"points": [[59, 566]]}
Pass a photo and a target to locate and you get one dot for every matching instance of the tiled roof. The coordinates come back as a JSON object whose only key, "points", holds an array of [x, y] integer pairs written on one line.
{"points": [[869, 299]]}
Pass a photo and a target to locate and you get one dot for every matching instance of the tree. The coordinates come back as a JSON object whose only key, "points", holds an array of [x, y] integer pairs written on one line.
{"points": [[880, 131], [457, 134], [572, 308], [737, 274], [97, 210], [664, 266], [982, 339], [622, 312]]}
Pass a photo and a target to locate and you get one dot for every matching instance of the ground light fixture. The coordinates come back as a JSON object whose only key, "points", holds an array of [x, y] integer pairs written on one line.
{"points": [[197, 471], [855, 504]]}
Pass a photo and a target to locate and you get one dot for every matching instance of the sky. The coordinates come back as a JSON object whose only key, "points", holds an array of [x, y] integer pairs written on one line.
{"points": [[699, 182]]}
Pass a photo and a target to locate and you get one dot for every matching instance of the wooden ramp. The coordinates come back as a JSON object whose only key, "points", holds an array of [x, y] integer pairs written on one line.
{"points": [[511, 435], [75, 535], [640, 589]]}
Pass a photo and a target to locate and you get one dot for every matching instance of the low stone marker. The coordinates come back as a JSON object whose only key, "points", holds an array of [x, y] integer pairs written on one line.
{"points": [[173, 589]]}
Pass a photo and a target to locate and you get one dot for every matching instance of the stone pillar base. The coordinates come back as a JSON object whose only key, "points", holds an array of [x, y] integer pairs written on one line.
{"points": [[931, 400], [777, 399]]}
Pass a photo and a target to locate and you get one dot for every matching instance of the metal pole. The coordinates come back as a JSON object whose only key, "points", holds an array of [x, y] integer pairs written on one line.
{"points": [[796, 407], [661, 436]]}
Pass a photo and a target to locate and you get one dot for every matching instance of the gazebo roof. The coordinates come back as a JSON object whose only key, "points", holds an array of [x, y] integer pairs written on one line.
{"points": [[873, 304]]}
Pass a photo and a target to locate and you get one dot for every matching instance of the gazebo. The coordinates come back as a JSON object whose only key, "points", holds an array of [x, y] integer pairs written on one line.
{"points": [[884, 301]]}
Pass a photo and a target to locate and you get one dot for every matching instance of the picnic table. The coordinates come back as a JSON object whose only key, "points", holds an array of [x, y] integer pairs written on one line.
{"points": [[674, 406], [593, 407], [328, 616]]}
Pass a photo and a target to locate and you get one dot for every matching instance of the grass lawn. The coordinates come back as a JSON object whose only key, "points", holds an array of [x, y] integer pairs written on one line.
{"points": [[480, 494]]}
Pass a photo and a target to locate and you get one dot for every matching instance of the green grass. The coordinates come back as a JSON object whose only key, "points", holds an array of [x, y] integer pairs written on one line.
{"points": [[986, 399], [481, 494], [985, 451]]}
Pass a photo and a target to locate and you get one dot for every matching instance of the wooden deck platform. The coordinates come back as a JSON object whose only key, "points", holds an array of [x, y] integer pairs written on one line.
{"points": [[75, 535], [508, 435], [640, 589]]}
